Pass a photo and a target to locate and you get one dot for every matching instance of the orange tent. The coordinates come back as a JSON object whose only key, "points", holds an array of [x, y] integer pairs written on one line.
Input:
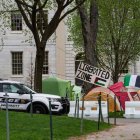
{"points": [[93, 96]]}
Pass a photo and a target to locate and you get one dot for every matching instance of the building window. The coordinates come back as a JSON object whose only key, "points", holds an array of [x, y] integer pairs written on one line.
{"points": [[45, 65], [17, 63], [16, 21], [42, 20]]}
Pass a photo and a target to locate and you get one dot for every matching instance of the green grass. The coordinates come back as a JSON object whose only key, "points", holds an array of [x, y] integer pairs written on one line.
{"points": [[118, 114], [24, 127]]}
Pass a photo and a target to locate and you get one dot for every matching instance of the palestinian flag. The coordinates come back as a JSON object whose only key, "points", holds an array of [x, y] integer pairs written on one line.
{"points": [[132, 81], [99, 81]]}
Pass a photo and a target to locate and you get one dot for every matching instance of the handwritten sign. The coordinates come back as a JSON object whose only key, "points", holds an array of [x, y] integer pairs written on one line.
{"points": [[93, 75]]}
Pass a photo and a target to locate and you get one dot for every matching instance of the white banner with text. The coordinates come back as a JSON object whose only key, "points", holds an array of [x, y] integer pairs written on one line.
{"points": [[94, 75]]}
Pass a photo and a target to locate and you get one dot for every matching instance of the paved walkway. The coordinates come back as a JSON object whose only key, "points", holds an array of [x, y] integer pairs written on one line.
{"points": [[126, 129]]}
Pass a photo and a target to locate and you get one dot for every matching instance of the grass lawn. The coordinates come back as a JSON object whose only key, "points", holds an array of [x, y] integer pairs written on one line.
{"points": [[24, 127], [118, 114]]}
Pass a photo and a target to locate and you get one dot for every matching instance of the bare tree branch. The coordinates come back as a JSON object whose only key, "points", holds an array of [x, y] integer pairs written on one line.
{"points": [[24, 15], [42, 6], [23, 3], [71, 10]]}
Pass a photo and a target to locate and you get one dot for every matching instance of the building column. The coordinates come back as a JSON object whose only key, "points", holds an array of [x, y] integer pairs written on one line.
{"points": [[60, 51]]}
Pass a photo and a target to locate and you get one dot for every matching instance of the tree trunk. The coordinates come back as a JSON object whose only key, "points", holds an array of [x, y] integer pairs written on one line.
{"points": [[90, 52], [116, 74], [89, 31], [115, 78], [38, 68]]}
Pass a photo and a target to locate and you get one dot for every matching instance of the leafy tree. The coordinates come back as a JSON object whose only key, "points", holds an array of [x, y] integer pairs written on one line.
{"points": [[4, 8], [74, 28], [118, 35], [30, 10], [30, 70]]}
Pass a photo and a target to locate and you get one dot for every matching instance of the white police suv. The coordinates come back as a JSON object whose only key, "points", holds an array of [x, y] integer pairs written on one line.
{"points": [[19, 97]]}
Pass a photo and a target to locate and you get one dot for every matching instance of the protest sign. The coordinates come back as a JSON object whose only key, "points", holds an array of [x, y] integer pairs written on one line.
{"points": [[93, 75]]}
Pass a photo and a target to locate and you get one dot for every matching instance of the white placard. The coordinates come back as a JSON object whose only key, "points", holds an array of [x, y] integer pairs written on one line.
{"points": [[93, 75]]}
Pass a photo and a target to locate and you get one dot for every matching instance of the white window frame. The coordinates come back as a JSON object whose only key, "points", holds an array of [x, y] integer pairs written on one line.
{"points": [[16, 20], [17, 63], [45, 70]]}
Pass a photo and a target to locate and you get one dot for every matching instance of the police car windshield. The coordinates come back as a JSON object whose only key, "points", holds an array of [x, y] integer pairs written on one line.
{"points": [[27, 89]]}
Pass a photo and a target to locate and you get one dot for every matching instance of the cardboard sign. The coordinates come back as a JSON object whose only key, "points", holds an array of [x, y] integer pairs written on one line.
{"points": [[93, 75]]}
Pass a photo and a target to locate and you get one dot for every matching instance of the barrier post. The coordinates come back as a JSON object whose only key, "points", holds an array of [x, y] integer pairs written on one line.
{"points": [[75, 106], [82, 114], [51, 129], [108, 109], [7, 117], [99, 114], [31, 108]]}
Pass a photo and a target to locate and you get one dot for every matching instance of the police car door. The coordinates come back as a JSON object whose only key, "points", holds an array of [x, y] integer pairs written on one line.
{"points": [[16, 101]]}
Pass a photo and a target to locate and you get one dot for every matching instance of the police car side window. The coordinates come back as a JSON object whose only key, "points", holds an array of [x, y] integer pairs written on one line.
{"points": [[14, 89], [6, 88], [10, 88]]}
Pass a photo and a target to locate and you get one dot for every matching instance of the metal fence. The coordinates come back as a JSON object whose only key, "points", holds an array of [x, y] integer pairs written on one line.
{"points": [[50, 124]]}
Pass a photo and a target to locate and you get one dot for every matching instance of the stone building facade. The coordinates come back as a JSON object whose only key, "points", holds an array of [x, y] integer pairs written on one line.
{"points": [[17, 51]]}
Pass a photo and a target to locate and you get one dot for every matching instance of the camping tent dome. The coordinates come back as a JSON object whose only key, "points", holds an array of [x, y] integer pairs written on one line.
{"points": [[56, 86], [92, 95]]}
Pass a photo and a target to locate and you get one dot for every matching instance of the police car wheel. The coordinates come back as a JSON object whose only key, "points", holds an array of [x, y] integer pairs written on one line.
{"points": [[39, 109]]}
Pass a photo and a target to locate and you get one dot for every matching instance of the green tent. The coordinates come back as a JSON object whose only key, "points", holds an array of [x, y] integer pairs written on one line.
{"points": [[76, 92], [57, 86]]}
